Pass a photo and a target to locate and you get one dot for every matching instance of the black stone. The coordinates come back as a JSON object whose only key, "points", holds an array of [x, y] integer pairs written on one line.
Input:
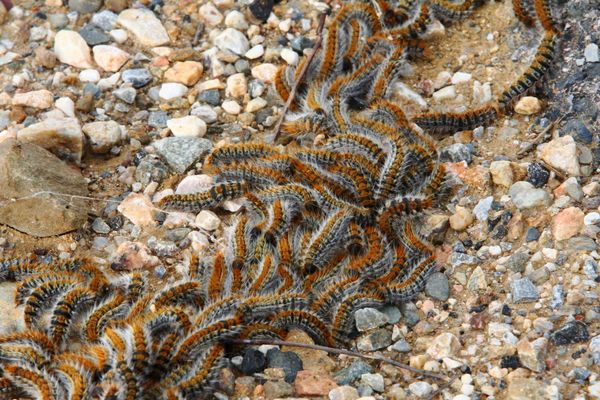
{"points": [[115, 222], [254, 361], [532, 234], [212, 97], [578, 130], [537, 175], [506, 310], [289, 361], [571, 332], [261, 9], [93, 35], [512, 362], [300, 43]]}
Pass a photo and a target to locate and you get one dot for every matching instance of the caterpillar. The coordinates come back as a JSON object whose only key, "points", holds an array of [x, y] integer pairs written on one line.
{"points": [[325, 229]]}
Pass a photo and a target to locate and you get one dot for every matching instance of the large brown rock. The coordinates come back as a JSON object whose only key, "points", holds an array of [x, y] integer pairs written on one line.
{"points": [[27, 169]]}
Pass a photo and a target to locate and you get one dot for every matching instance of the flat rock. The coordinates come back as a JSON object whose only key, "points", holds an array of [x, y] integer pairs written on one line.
{"points": [[70, 48], [181, 152], [37, 99], [147, 29], [524, 195], [102, 135], [26, 169], [62, 137]]}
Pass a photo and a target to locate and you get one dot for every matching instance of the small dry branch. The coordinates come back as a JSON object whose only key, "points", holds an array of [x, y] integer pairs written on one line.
{"points": [[309, 60], [333, 350]]}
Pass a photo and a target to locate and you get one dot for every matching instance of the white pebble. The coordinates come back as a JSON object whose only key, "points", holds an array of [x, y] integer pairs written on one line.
{"points": [[591, 53], [188, 126], [169, 91], [289, 56], [231, 107], [66, 105], [89, 75], [255, 52], [207, 220], [460, 77]]}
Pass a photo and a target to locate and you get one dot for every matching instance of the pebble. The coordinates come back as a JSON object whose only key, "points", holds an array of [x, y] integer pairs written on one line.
{"points": [[591, 53], [210, 15], [561, 153], [401, 346], [41, 99], [138, 77], [186, 72], [447, 93], [369, 318], [181, 152], [62, 137], [261, 9], [105, 20], [343, 393], [460, 77], [99, 226], [483, 207], [517, 261], [502, 173], [533, 354], [444, 345], [211, 97], [375, 340], [592, 218], [437, 286], [143, 24], [265, 72], [286, 360], [523, 291], [119, 35], [207, 220], [85, 6], [131, 256], [255, 52], [352, 372], [461, 219], [477, 280], [25, 169], [93, 36], [127, 94], [594, 389], [137, 208], [420, 389], [374, 381], [232, 40], [524, 195], [205, 113], [253, 361], [231, 107], [188, 126], [571, 332], [110, 58], [237, 85], [289, 56], [170, 91], [102, 135], [571, 188], [312, 383], [255, 104], [70, 48], [537, 174], [89, 75], [567, 223], [528, 105], [456, 152], [237, 20]]}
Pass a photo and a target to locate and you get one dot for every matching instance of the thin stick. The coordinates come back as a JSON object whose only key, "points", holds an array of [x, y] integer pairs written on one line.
{"points": [[292, 95], [333, 350], [539, 138]]}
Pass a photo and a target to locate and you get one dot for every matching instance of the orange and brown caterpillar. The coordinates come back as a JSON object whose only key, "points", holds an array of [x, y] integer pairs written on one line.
{"points": [[455, 122]]}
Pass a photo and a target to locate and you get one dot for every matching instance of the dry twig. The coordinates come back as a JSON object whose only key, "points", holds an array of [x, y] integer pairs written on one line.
{"points": [[292, 95], [540, 138], [333, 350]]}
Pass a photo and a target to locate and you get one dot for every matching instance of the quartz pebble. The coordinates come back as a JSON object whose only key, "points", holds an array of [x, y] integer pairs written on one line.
{"points": [[138, 209], [147, 29], [524, 195], [170, 91], [110, 58], [71, 49], [591, 53], [461, 219], [567, 223], [61, 136], [232, 40], [561, 153], [102, 135], [37, 99], [189, 126], [528, 105]]}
